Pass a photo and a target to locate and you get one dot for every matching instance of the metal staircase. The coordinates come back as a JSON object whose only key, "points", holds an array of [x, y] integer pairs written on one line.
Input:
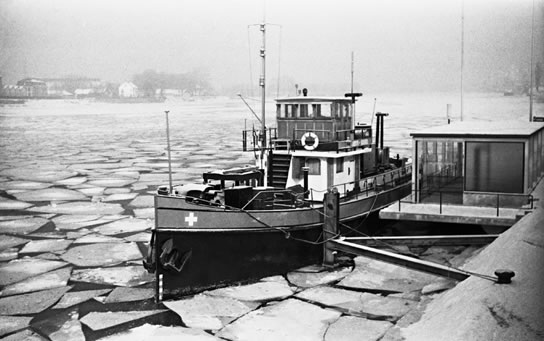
{"points": [[279, 170]]}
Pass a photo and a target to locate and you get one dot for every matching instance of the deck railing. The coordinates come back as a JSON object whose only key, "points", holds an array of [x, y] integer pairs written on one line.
{"points": [[376, 183], [444, 199]]}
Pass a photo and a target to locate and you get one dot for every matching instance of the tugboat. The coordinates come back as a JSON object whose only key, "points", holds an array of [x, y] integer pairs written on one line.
{"points": [[250, 222]]}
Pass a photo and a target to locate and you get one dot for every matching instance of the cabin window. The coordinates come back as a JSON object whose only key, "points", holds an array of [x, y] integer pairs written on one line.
{"points": [[290, 110], [278, 111], [339, 165], [314, 166], [316, 108], [346, 110], [304, 110], [326, 110]]}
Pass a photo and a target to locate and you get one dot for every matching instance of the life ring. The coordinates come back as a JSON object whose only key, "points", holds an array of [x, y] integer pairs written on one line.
{"points": [[314, 137]]}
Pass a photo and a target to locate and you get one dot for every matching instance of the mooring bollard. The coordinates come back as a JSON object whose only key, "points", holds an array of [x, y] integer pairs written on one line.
{"points": [[331, 208]]}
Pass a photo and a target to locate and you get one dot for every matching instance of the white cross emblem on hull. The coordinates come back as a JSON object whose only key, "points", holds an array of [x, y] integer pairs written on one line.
{"points": [[191, 219]]}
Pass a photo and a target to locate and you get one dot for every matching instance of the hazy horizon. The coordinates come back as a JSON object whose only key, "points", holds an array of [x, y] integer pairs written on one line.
{"points": [[398, 45]]}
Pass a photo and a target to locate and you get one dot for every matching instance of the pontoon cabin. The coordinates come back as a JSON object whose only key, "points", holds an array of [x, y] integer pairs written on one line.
{"points": [[478, 163]]}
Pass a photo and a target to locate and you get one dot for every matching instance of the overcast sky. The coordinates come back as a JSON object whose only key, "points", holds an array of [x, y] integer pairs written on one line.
{"points": [[399, 44]]}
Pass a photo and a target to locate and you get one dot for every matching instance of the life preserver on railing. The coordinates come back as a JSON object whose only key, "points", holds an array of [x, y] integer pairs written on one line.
{"points": [[313, 145]]}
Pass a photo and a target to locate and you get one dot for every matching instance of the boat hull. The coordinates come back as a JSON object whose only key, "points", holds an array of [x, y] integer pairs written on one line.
{"points": [[219, 247]]}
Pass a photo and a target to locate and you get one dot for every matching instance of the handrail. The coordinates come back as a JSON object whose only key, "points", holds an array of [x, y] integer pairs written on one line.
{"points": [[495, 197]]}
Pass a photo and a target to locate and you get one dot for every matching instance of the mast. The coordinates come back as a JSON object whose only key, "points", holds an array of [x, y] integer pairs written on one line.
{"points": [[531, 66], [462, 51], [263, 105]]}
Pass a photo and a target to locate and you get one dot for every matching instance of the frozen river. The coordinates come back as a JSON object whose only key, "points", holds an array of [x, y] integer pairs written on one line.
{"points": [[76, 185]]}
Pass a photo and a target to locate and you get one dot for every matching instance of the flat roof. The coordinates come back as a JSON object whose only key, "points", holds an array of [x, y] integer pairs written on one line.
{"points": [[482, 129], [311, 99]]}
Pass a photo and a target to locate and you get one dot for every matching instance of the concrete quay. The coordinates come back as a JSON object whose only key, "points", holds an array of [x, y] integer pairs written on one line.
{"points": [[479, 309]]}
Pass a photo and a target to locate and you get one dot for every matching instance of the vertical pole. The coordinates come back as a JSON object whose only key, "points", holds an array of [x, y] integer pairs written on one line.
{"points": [[440, 202], [497, 205], [264, 160], [305, 170], [462, 51], [331, 208], [532, 61], [169, 156], [381, 132]]}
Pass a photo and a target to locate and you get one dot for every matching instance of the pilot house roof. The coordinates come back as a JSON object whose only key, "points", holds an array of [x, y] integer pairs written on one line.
{"points": [[308, 99], [482, 129]]}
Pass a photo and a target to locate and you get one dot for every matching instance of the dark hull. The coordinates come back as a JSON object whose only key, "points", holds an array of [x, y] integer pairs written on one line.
{"points": [[214, 247]]}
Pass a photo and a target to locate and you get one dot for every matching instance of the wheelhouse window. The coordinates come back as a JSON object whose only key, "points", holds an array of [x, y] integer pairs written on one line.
{"points": [[291, 110], [279, 112], [314, 166], [339, 165], [304, 110]]}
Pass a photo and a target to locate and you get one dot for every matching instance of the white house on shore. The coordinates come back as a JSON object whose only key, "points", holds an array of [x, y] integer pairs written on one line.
{"points": [[128, 89]]}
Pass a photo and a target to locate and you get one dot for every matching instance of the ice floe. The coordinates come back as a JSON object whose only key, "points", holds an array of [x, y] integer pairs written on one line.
{"points": [[38, 175], [22, 226], [124, 226], [97, 238], [24, 185], [103, 320], [111, 182], [282, 321], [143, 201], [27, 335], [92, 191], [75, 297], [9, 254], [256, 292], [48, 280], [8, 204], [164, 333], [102, 254], [32, 303], [7, 242], [144, 213], [123, 294], [351, 328], [372, 274], [209, 312], [120, 197], [143, 237], [80, 207], [10, 324], [20, 269], [69, 331], [312, 279], [50, 194], [127, 276], [36, 246], [77, 180]]}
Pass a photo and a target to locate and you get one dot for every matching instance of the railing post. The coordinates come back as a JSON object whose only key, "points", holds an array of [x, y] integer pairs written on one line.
{"points": [[440, 202], [497, 205], [331, 208]]}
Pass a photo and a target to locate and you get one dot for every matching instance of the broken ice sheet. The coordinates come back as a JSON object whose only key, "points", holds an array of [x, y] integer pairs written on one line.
{"points": [[49, 280], [144, 213], [127, 276], [32, 303], [143, 237], [97, 238], [27, 335], [143, 201], [20, 269], [103, 320], [163, 333], [9, 254], [22, 226], [92, 191], [38, 175], [81, 208], [10, 324], [7, 242], [112, 182], [120, 197], [124, 226], [209, 312], [75, 297], [8, 204], [102, 254], [36, 246], [25, 185], [50, 194], [77, 180], [123, 294]]}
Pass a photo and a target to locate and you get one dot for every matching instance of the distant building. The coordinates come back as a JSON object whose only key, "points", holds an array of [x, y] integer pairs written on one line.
{"points": [[13, 91], [33, 87], [128, 90], [62, 86]]}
